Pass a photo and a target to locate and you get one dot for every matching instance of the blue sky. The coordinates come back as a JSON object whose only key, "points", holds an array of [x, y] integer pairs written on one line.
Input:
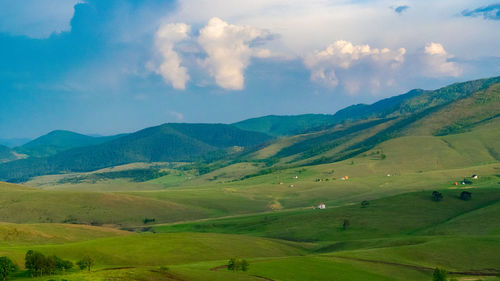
{"points": [[112, 66]]}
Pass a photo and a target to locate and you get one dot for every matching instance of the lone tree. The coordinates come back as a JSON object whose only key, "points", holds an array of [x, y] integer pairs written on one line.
{"points": [[86, 262], [7, 266], [439, 274], [465, 195], [346, 224], [235, 264], [364, 204], [437, 196]]}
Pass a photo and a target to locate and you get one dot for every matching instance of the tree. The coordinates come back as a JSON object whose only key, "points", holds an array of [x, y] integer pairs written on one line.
{"points": [[244, 265], [63, 265], [465, 195], [34, 262], [50, 265], [437, 196], [439, 274], [7, 266], [364, 204], [235, 264], [86, 262], [81, 264], [346, 224], [231, 264], [29, 262]]}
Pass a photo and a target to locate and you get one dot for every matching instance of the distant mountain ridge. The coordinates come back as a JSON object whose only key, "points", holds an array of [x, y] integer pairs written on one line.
{"points": [[6, 154], [13, 142], [284, 125], [411, 102], [323, 138], [58, 141], [164, 143]]}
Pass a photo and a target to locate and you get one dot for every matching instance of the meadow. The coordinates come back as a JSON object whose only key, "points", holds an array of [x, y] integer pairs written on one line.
{"points": [[395, 209]]}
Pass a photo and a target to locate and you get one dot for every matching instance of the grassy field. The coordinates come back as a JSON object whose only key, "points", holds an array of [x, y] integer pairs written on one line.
{"points": [[193, 224], [417, 214]]}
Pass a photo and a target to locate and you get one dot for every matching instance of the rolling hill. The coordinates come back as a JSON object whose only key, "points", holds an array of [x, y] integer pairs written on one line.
{"points": [[414, 101], [164, 143], [276, 125], [7, 154], [325, 138], [453, 109], [58, 141]]}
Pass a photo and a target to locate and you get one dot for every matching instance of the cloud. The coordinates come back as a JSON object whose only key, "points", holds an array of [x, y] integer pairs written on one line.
{"points": [[34, 18], [401, 9], [177, 115], [437, 62], [353, 66], [229, 51], [490, 12], [170, 69]]}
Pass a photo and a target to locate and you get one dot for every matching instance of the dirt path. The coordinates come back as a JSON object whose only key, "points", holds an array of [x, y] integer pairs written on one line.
{"points": [[168, 275], [225, 266], [117, 268], [263, 278], [490, 272], [218, 267]]}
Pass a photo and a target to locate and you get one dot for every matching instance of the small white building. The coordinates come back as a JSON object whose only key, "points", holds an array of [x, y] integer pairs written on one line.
{"points": [[321, 206], [474, 177]]}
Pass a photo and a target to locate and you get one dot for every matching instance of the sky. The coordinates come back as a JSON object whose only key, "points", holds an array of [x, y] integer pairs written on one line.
{"points": [[113, 66]]}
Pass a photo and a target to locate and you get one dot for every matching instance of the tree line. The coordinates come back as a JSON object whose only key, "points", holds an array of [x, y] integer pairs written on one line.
{"points": [[38, 265]]}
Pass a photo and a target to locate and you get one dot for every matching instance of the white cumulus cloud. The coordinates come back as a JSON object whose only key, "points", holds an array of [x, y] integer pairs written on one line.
{"points": [[437, 61], [229, 52], [170, 68], [353, 66]]}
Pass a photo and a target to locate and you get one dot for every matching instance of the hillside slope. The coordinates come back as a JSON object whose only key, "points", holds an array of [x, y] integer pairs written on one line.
{"points": [[164, 143], [7, 154], [453, 109], [57, 141], [411, 102], [286, 125]]}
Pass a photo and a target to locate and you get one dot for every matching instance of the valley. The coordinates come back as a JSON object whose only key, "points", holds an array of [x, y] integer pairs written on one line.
{"points": [[178, 201]]}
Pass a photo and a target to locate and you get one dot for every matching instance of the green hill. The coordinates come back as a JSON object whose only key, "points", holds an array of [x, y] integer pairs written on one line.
{"points": [[414, 101], [452, 109], [286, 125], [7, 154], [328, 138], [417, 214], [57, 141], [165, 143]]}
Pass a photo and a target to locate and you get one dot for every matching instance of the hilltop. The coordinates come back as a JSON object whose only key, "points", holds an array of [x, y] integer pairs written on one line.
{"points": [[58, 141], [167, 143], [317, 139]]}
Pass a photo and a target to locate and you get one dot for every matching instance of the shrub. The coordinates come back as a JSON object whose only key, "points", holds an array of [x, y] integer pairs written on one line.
{"points": [[235, 264], [437, 196], [86, 262], [7, 266], [465, 195], [439, 274]]}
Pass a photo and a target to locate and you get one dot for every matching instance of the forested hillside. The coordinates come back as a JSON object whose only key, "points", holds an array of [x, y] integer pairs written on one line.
{"points": [[57, 141], [167, 143]]}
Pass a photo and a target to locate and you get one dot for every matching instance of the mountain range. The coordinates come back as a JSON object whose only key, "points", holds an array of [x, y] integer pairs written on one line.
{"points": [[277, 140]]}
